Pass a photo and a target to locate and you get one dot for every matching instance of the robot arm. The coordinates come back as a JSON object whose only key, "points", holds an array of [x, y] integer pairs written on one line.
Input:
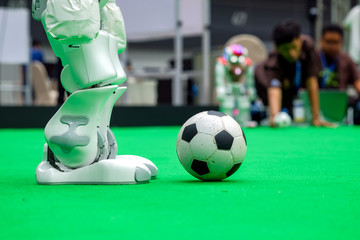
{"points": [[220, 81], [250, 82]]}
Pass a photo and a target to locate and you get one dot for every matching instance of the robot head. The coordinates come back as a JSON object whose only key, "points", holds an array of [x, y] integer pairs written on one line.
{"points": [[236, 57], [236, 54], [38, 7]]}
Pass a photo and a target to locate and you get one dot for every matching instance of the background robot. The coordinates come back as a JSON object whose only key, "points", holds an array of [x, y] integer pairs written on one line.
{"points": [[87, 35], [234, 83]]}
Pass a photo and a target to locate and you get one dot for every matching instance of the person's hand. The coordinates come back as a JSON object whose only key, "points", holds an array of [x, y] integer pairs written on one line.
{"points": [[319, 123], [272, 121]]}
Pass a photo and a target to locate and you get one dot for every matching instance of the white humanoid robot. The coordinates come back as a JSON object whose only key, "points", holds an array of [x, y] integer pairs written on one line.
{"points": [[87, 35], [234, 83]]}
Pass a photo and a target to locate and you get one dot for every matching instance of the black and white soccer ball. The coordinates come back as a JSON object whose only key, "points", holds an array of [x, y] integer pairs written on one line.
{"points": [[282, 120], [211, 146]]}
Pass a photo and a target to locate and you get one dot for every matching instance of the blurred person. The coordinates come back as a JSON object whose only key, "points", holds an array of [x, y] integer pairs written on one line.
{"points": [[234, 84], [288, 68], [336, 68], [37, 52]]}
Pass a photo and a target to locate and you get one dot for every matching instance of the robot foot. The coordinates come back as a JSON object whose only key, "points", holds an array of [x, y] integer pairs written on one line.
{"points": [[104, 172], [140, 160], [108, 171]]}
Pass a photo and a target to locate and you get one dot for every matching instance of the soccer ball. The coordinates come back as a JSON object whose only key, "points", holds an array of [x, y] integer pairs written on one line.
{"points": [[282, 119], [211, 146]]}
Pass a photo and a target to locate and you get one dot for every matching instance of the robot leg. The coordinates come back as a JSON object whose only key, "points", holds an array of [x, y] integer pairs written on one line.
{"points": [[77, 140], [112, 145], [72, 133]]}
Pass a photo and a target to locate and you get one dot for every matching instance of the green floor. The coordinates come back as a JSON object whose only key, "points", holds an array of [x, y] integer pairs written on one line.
{"points": [[296, 183]]}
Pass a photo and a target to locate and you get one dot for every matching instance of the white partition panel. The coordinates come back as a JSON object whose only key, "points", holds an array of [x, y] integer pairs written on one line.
{"points": [[191, 14], [14, 52], [148, 20], [14, 37], [156, 19]]}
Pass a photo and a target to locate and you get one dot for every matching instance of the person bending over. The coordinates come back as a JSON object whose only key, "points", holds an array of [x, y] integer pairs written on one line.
{"points": [[287, 69]]}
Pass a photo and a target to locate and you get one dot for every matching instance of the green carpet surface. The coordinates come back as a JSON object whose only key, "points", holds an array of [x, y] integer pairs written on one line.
{"points": [[295, 183]]}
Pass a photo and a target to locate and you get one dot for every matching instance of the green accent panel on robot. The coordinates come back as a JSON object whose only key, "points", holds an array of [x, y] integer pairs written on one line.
{"points": [[71, 139]]}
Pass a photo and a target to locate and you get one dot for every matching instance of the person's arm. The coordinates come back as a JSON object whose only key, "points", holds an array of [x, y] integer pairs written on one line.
{"points": [[311, 69], [354, 74], [313, 89], [357, 85], [274, 99]]}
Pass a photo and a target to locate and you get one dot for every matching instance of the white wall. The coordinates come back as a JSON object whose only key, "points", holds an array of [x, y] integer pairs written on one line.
{"points": [[152, 58], [14, 45], [155, 19]]}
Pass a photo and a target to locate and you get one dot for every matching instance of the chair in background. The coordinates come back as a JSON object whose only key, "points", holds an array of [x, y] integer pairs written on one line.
{"points": [[44, 94], [333, 105], [141, 92]]}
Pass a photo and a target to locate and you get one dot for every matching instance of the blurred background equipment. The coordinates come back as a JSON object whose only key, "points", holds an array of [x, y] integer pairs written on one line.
{"points": [[352, 23], [161, 31], [44, 94], [333, 105], [257, 51], [175, 20], [15, 85]]}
